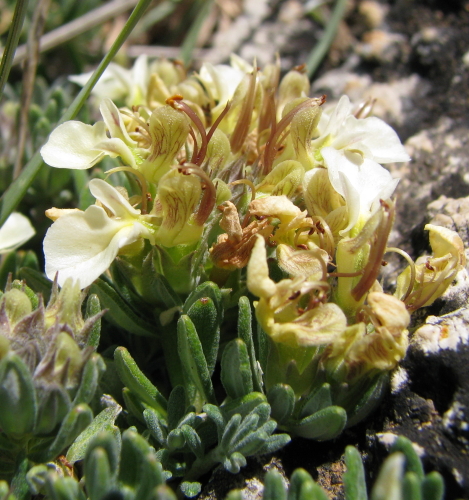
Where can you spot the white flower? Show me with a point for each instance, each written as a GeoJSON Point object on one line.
{"type": "Point", "coordinates": [76, 145]}
{"type": "Point", "coordinates": [84, 244]}
{"type": "Point", "coordinates": [120, 83]}
{"type": "Point", "coordinates": [16, 231]}
{"type": "Point", "coordinates": [352, 150]}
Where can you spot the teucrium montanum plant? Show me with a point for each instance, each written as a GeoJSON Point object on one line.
{"type": "Point", "coordinates": [237, 182]}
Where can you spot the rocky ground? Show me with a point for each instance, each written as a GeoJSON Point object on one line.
{"type": "Point", "coordinates": [413, 58]}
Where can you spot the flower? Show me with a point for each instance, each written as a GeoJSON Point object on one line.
{"type": "Point", "coordinates": [278, 310]}
{"type": "Point", "coordinates": [352, 149]}
{"type": "Point", "coordinates": [16, 231]}
{"type": "Point", "coordinates": [75, 145]}
{"type": "Point", "coordinates": [84, 244]}
{"type": "Point", "coordinates": [120, 83]}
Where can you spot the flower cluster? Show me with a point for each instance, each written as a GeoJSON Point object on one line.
{"type": "Point", "coordinates": [237, 167]}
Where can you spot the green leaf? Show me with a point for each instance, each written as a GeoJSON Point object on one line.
{"type": "Point", "coordinates": [134, 379]}
{"type": "Point", "coordinates": [433, 487]}
{"type": "Point", "coordinates": [76, 421]}
{"type": "Point", "coordinates": [193, 359]}
{"type": "Point", "coordinates": [312, 491]}
{"type": "Point", "coordinates": [411, 488]}
{"type": "Point", "coordinates": [102, 423]}
{"type": "Point", "coordinates": [274, 443]}
{"type": "Point", "coordinates": [245, 334]}
{"type": "Point", "coordinates": [190, 489]}
{"type": "Point", "coordinates": [18, 397]}
{"type": "Point", "coordinates": [90, 378]}
{"type": "Point", "coordinates": [193, 441]}
{"type": "Point", "coordinates": [135, 464]}
{"type": "Point", "coordinates": [176, 406]}
{"type": "Point", "coordinates": [322, 425]}
{"type": "Point", "coordinates": [99, 478]}
{"type": "Point", "coordinates": [281, 398]}
{"type": "Point", "coordinates": [203, 314]}
{"type": "Point", "coordinates": [63, 488]}
{"type": "Point", "coordinates": [53, 405]}
{"type": "Point", "coordinates": [213, 412]}
{"type": "Point", "coordinates": [274, 486]}
{"type": "Point", "coordinates": [93, 308]}
{"type": "Point", "coordinates": [354, 477]}
{"type": "Point", "coordinates": [318, 400]}
{"type": "Point", "coordinates": [412, 460]}
{"type": "Point", "coordinates": [298, 479]}
{"type": "Point", "coordinates": [119, 311]}
{"type": "Point", "coordinates": [236, 374]}
{"type": "Point", "coordinates": [370, 399]}
{"type": "Point", "coordinates": [155, 425]}
{"type": "Point", "coordinates": [229, 432]}
{"type": "Point", "coordinates": [243, 405]}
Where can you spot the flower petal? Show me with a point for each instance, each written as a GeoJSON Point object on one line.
{"type": "Point", "coordinates": [82, 245]}
{"type": "Point", "coordinates": [71, 145]}
{"type": "Point", "coordinates": [112, 199]}
{"type": "Point", "coordinates": [16, 231]}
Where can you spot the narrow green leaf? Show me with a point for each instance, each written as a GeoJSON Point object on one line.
{"type": "Point", "coordinates": [412, 460]}
{"type": "Point", "coordinates": [274, 443]}
{"type": "Point", "coordinates": [245, 334]}
{"type": "Point", "coordinates": [193, 441]}
{"type": "Point", "coordinates": [119, 312]}
{"type": "Point", "coordinates": [151, 476]}
{"type": "Point", "coordinates": [91, 375]}
{"type": "Point", "coordinates": [214, 413]}
{"type": "Point", "coordinates": [193, 359]}
{"type": "Point", "coordinates": [190, 41]}
{"type": "Point", "coordinates": [317, 400]}
{"type": "Point", "coordinates": [204, 315]}
{"type": "Point", "coordinates": [322, 425]}
{"type": "Point", "coordinates": [229, 431]}
{"type": "Point", "coordinates": [354, 477]}
{"type": "Point", "coordinates": [411, 488]}
{"type": "Point", "coordinates": [134, 379]}
{"type": "Point", "coordinates": [369, 400]}
{"type": "Point", "coordinates": [243, 405]}
{"type": "Point", "coordinates": [155, 425]}
{"type": "Point", "coordinates": [281, 398]}
{"type": "Point", "coordinates": [321, 49]}
{"type": "Point", "coordinates": [433, 487]}
{"type": "Point", "coordinates": [98, 474]}
{"type": "Point", "coordinates": [18, 396]}
{"type": "Point", "coordinates": [76, 421]}
{"type": "Point", "coordinates": [14, 33]}
{"type": "Point", "coordinates": [176, 406]}
{"type": "Point", "coordinates": [93, 307]}
{"type": "Point", "coordinates": [274, 486]}
{"type": "Point", "coordinates": [102, 423]}
{"type": "Point", "coordinates": [133, 455]}
{"type": "Point", "coordinates": [63, 488]}
{"type": "Point", "coordinates": [312, 491]}
{"type": "Point", "coordinates": [299, 478]}
{"type": "Point", "coordinates": [236, 374]}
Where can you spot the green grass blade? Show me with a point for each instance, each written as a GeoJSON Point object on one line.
{"type": "Point", "coordinates": [18, 188]}
{"type": "Point", "coordinates": [12, 41]}
{"type": "Point", "coordinates": [191, 38]}
{"type": "Point", "coordinates": [320, 50]}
